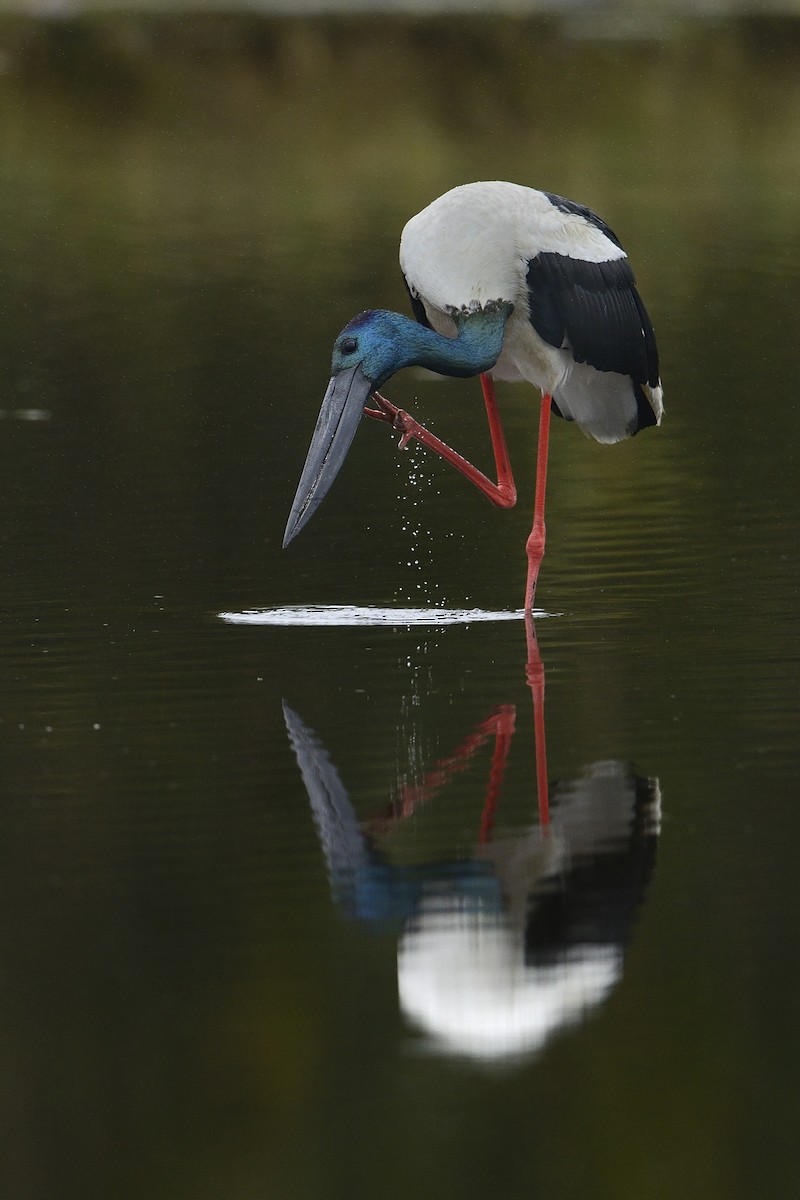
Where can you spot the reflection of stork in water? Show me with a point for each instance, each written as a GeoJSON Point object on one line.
{"type": "Point", "coordinates": [488, 982]}
{"type": "Point", "coordinates": [499, 950]}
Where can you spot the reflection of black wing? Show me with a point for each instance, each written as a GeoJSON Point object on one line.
{"type": "Point", "coordinates": [339, 831]}
{"type": "Point", "coordinates": [609, 820]}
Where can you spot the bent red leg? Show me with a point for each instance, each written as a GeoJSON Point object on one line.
{"type": "Point", "coordinates": [502, 463]}
{"type": "Point", "coordinates": [504, 492]}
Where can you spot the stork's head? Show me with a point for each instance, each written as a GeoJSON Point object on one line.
{"type": "Point", "coordinates": [370, 348]}
{"type": "Point", "coordinates": [375, 342]}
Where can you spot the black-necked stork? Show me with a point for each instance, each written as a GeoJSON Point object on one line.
{"type": "Point", "coordinates": [509, 283]}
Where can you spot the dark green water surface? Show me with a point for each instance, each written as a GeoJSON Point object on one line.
{"type": "Point", "coordinates": [220, 976]}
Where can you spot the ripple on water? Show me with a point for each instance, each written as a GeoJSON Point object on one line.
{"type": "Point", "coordinates": [353, 614]}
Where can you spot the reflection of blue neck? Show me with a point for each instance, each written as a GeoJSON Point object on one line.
{"type": "Point", "coordinates": [381, 892]}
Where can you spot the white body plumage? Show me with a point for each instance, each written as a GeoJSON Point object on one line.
{"type": "Point", "coordinates": [578, 329]}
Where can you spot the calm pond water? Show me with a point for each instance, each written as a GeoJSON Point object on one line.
{"type": "Point", "coordinates": [281, 912]}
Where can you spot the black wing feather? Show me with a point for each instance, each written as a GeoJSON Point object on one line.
{"type": "Point", "coordinates": [596, 311]}
{"type": "Point", "coordinates": [580, 210]}
{"type": "Point", "coordinates": [417, 307]}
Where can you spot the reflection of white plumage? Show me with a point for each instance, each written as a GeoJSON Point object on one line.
{"type": "Point", "coordinates": [489, 985]}
{"type": "Point", "coordinates": [463, 980]}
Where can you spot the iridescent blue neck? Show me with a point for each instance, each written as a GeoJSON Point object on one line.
{"type": "Point", "coordinates": [475, 348]}
{"type": "Point", "coordinates": [390, 342]}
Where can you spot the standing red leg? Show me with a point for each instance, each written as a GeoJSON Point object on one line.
{"type": "Point", "coordinates": [534, 546]}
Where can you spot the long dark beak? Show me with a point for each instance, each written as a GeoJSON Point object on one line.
{"type": "Point", "coordinates": [342, 409]}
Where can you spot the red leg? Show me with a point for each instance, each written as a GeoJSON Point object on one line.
{"type": "Point", "coordinates": [534, 546]}
{"type": "Point", "coordinates": [504, 492]}
{"type": "Point", "coordinates": [505, 477]}
{"type": "Point", "coordinates": [502, 746]}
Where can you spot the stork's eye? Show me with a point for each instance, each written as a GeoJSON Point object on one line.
{"type": "Point", "coordinates": [349, 346]}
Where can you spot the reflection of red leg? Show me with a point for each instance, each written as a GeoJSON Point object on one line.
{"type": "Point", "coordinates": [504, 732]}
{"type": "Point", "coordinates": [504, 492]}
{"type": "Point", "coordinates": [534, 673]}
{"type": "Point", "coordinates": [535, 543]}
{"type": "Point", "coordinates": [501, 725]}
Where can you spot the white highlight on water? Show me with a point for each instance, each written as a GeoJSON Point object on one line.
{"type": "Point", "coordinates": [25, 414]}
{"type": "Point", "coordinates": [354, 614]}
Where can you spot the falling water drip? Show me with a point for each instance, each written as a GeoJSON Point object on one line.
{"type": "Point", "coordinates": [423, 587]}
